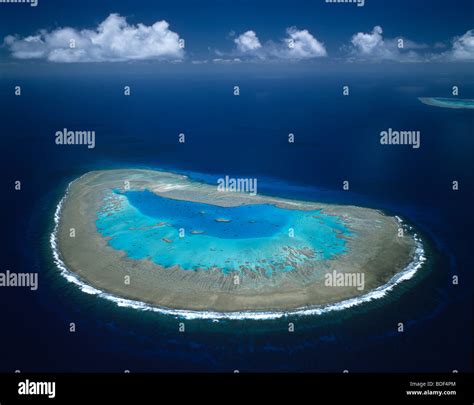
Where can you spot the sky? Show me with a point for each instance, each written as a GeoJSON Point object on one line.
{"type": "Point", "coordinates": [238, 31]}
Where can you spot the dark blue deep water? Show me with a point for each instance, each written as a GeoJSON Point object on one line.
{"type": "Point", "coordinates": [337, 139]}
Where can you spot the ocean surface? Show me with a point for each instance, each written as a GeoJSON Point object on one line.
{"type": "Point", "coordinates": [147, 226]}
{"type": "Point", "coordinates": [337, 139]}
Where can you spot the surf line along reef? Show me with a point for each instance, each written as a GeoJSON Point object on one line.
{"type": "Point", "coordinates": [164, 241]}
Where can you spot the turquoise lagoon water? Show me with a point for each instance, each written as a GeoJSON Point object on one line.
{"type": "Point", "coordinates": [147, 226]}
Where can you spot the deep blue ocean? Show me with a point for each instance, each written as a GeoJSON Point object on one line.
{"type": "Point", "coordinates": [337, 139]}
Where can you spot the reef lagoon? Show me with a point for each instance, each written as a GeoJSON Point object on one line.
{"type": "Point", "coordinates": [161, 240]}
{"type": "Point", "coordinates": [193, 235]}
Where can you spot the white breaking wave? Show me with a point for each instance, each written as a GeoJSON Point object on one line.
{"type": "Point", "coordinates": [377, 293]}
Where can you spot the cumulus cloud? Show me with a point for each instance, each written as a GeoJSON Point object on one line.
{"type": "Point", "coordinates": [248, 42]}
{"type": "Point", "coordinates": [373, 46]}
{"type": "Point", "coordinates": [368, 43]}
{"type": "Point", "coordinates": [462, 48]}
{"type": "Point", "coordinates": [114, 40]}
{"type": "Point", "coordinates": [299, 44]}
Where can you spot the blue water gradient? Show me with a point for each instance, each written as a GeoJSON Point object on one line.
{"type": "Point", "coordinates": [255, 237]}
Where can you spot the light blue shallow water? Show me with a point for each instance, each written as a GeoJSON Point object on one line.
{"type": "Point", "coordinates": [258, 237]}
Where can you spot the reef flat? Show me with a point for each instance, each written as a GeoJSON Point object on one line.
{"type": "Point", "coordinates": [442, 102]}
{"type": "Point", "coordinates": [163, 239]}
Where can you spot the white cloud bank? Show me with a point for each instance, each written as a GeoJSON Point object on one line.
{"type": "Point", "coordinates": [114, 40]}
{"type": "Point", "coordinates": [248, 42]}
{"type": "Point", "coordinates": [299, 44]}
{"type": "Point", "coordinates": [462, 48]}
{"type": "Point", "coordinates": [302, 45]}
{"type": "Point", "coordinates": [367, 44]}
{"type": "Point", "coordinates": [373, 46]}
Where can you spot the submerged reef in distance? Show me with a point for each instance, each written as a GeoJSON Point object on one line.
{"type": "Point", "coordinates": [442, 102]}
